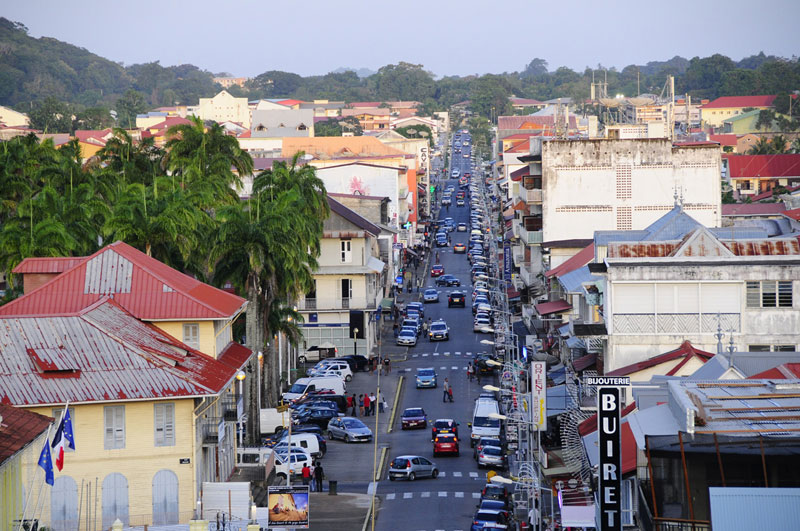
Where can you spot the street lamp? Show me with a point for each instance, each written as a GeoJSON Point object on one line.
{"type": "Point", "coordinates": [241, 376]}
{"type": "Point", "coordinates": [355, 341]}
{"type": "Point", "coordinates": [260, 364]}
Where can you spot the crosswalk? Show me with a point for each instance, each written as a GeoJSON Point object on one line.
{"type": "Point", "coordinates": [442, 368]}
{"type": "Point", "coordinates": [446, 353]}
{"type": "Point", "coordinates": [390, 496]}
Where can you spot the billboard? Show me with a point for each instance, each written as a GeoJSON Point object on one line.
{"type": "Point", "coordinates": [507, 263]}
{"type": "Point", "coordinates": [608, 422]}
{"type": "Point", "coordinates": [539, 394]}
{"type": "Point", "coordinates": [288, 507]}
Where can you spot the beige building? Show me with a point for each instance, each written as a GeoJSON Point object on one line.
{"type": "Point", "coordinates": [224, 108]}
{"type": "Point", "coordinates": [12, 118]}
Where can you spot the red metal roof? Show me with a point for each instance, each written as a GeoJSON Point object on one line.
{"type": "Point", "coordinates": [109, 355]}
{"type": "Point", "coordinates": [141, 284]}
{"type": "Point", "coordinates": [725, 102]}
{"type": "Point", "coordinates": [786, 371]}
{"type": "Point", "coordinates": [769, 194]}
{"type": "Point", "coordinates": [525, 101]}
{"type": "Point", "coordinates": [18, 429]}
{"type": "Point", "coordinates": [793, 214]}
{"type": "Point", "coordinates": [628, 441]}
{"type": "Point", "coordinates": [517, 175]}
{"type": "Point", "coordinates": [764, 166]}
{"type": "Point", "coordinates": [752, 209]}
{"type": "Point", "coordinates": [724, 140]}
{"type": "Point", "coordinates": [577, 261]}
{"type": "Point", "coordinates": [686, 351]}
{"type": "Point", "coordinates": [545, 308]}
{"type": "Point", "coordinates": [54, 264]}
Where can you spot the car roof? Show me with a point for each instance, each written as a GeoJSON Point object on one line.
{"type": "Point", "coordinates": [426, 369]}
{"type": "Point", "coordinates": [443, 420]}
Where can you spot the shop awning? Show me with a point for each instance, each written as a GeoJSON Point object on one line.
{"type": "Point", "coordinates": [584, 362]}
{"type": "Point", "coordinates": [517, 175]}
{"type": "Point", "coordinates": [520, 206]}
{"type": "Point", "coordinates": [546, 308]}
{"type": "Point", "coordinates": [375, 264]}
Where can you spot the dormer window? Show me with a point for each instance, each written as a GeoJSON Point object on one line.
{"type": "Point", "coordinates": [261, 128]}
{"type": "Point", "coordinates": [302, 127]}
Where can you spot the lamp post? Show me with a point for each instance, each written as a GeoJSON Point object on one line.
{"type": "Point", "coordinates": [260, 367]}
{"type": "Point", "coordinates": [355, 341]}
{"type": "Point", "coordinates": [240, 376]}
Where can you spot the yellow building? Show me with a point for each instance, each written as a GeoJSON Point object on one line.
{"type": "Point", "coordinates": [144, 356]}
{"type": "Point", "coordinates": [716, 112]}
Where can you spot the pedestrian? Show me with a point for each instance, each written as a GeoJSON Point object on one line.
{"type": "Point", "coordinates": [353, 405]}
{"type": "Point", "coordinates": [349, 402]}
{"type": "Point", "coordinates": [372, 403]}
{"type": "Point", "coordinates": [319, 475]}
{"type": "Point", "coordinates": [469, 371]}
{"type": "Point", "coordinates": [425, 328]}
{"type": "Point", "coordinates": [387, 364]}
{"type": "Point", "coordinates": [396, 329]}
{"type": "Point", "coordinates": [361, 405]}
{"type": "Point", "coordinates": [372, 362]}
{"type": "Point", "coordinates": [419, 284]}
{"type": "Point", "coordinates": [450, 393]}
{"type": "Point", "coordinates": [366, 405]}
{"type": "Point", "coordinates": [382, 405]}
{"type": "Point", "coordinates": [306, 474]}
{"type": "Point", "coordinates": [446, 389]}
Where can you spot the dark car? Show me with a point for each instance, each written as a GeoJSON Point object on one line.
{"type": "Point", "coordinates": [356, 363]}
{"type": "Point", "coordinates": [318, 415]}
{"type": "Point", "coordinates": [492, 491]}
{"type": "Point", "coordinates": [457, 299]}
{"type": "Point", "coordinates": [488, 519]}
{"type": "Point", "coordinates": [414, 417]}
{"type": "Point", "coordinates": [283, 432]}
{"type": "Point", "coordinates": [444, 426]}
{"type": "Point", "coordinates": [447, 280]}
{"type": "Point", "coordinates": [327, 395]}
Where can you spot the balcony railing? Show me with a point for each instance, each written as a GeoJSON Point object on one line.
{"type": "Point", "coordinates": [527, 274]}
{"type": "Point", "coordinates": [344, 303]}
{"type": "Point", "coordinates": [531, 197]}
{"type": "Point", "coordinates": [675, 323]}
{"type": "Point", "coordinates": [530, 237]}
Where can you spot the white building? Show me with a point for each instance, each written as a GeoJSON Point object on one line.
{"type": "Point", "coordinates": [223, 108]}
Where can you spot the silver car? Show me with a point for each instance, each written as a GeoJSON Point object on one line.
{"type": "Point", "coordinates": [431, 295]}
{"type": "Point", "coordinates": [349, 429]}
{"type": "Point", "coordinates": [407, 337]}
{"type": "Point", "coordinates": [411, 467]}
{"type": "Point", "coordinates": [491, 456]}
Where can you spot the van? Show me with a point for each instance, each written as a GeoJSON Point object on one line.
{"type": "Point", "coordinates": [482, 425]}
{"type": "Point", "coordinates": [259, 457]}
{"type": "Point", "coordinates": [272, 421]}
{"type": "Point", "coordinates": [314, 383]}
{"type": "Point", "coordinates": [307, 441]}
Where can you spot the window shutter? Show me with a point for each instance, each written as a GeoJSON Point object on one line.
{"type": "Point", "coordinates": [109, 422]}
{"type": "Point", "coordinates": [169, 424]}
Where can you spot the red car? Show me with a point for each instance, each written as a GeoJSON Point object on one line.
{"type": "Point", "coordinates": [445, 443]}
{"type": "Point", "coordinates": [437, 270]}
{"type": "Point", "coordinates": [461, 195]}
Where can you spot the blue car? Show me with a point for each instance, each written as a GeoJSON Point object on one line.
{"type": "Point", "coordinates": [489, 519]}
{"type": "Point", "coordinates": [426, 378]}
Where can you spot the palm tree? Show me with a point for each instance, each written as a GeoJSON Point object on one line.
{"type": "Point", "coordinates": [135, 162]}
{"type": "Point", "coordinates": [761, 147]}
{"type": "Point", "coordinates": [22, 237]}
{"type": "Point", "coordinates": [779, 144]}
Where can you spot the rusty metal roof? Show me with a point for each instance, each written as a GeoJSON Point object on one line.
{"type": "Point", "coordinates": [145, 287]}
{"type": "Point", "coordinates": [103, 354]}
{"type": "Point", "coordinates": [702, 243]}
{"type": "Point", "coordinates": [18, 429]}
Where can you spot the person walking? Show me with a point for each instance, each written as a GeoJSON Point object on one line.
{"type": "Point", "coordinates": [306, 474]}
{"type": "Point", "coordinates": [387, 364]}
{"type": "Point", "coordinates": [373, 402]}
{"type": "Point", "coordinates": [450, 393]}
{"type": "Point", "coordinates": [446, 389]}
{"type": "Point", "coordinates": [361, 405]}
{"type": "Point", "coordinates": [425, 328]}
{"type": "Point", "coordinates": [470, 370]}
{"type": "Point", "coordinates": [349, 402]}
{"type": "Point", "coordinates": [366, 405]}
{"type": "Point", "coordinates": [319, 475]}
{"type": "Point", "coordinates": [396, 329]}
{"type": "Point", "coordinates": [353, 405]}
{"type": "Point", "coordinates": [382, 405]}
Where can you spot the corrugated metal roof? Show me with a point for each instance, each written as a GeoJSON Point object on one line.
{"type": "Point", "coordinates": [57, 264]}
{"type": "Point", "coordinates": [573, 281]}
{"type": "Point", "coordinates": [764, 166]}
{"type": "Point", "coordinates": [727, 102]}
{"type": "Point", "coordinates": [580, 259]}
{"type": "Point", "coordinates": [736, 508]}
{"type": "Point", "coordinates": [113, 356]}
{"type": "Point", "coordinates": [145, 287]}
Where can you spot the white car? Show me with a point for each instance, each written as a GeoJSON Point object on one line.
{"type": "Point", "coordinates": [407, 337]}
{"type": "Point", "coordinates": [482, 325]}
{"type": "Point", "coordinates": [332, 365]}
{"type": "Point", "coordinates": [431, 295]}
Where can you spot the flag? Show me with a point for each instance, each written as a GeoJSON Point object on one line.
{"type": "Point", "coordinates": [46, 462]}
{"type": "Point", "coordinates": [63, 437]}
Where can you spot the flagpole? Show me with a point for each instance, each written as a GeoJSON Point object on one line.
{"type": "Point", "coordinates": [30, 491]}
{"type": "Point", "coordinates": [38, 497]}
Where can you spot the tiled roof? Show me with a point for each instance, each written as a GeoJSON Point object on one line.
{"type": "Point", "coordinates": [332, 147]}
{"type": "Point", "coordinates": [55, 264]}
{"type": "Point", "coordinates": [93, 136]}
{"type": "Point", "coordinates": [524, 101]}
{"type": "Point", "coordinates": [103, 353]}
{"type": "Point", "coordinates": [725, 102]}
{"type": "Point", "coordinates": [752, 209]}
{"type": "Point", "coordinates": [145, 287]}
{"type": "Point", "coordinates": [353, 217]}
{"type": "Point", "coordinates": [18, 429]}
{"type": "Point", "coordinates": [685, 351]}
{"type": "Point", "coordinates": [371, 111]}
{"type": "Point", "coordinates": [772, 166]}
{"type": "Point", "coordinates": [583, 257]}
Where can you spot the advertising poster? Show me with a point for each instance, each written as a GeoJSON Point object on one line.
{"type": "Point", "coordinates": [288, 507]}
{"type": "Point", "coordinates": [507, 263]}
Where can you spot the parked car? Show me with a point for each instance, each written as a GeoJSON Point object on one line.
{"type": "Point", "coordinates": [317, 415]}
{"type": "Point", "coordinates": [407, 337]}
{"type": "Point", "coordinates": [457, 298]}
{"type": "Point", "coordinates": [349, 429]}
{"type": "Point", "coordinates": [445, 443]}
{"type": "Point", "coordinates": [411, 467]}
{"type": "Point", "coordinates": [492, 491]}
{"type": "Point", "coordinates": [487, 519]}
{"type": "Point", "coordinates": [491, 456]}
{"type": "Point", "coordinates": [485, 441]}
{"type": "Point", "coordinates": [416, 306]}
{"type": "Point", "coordinates": [482, 325]}
{"type": "Point", "coordinates": [413, 417]}
{"type": "Point", "coordinates": [426, 377]}
{"type": "Point", "coordinates": [357, 362]}
{"type": "Point", "coordinates": [431, 295]}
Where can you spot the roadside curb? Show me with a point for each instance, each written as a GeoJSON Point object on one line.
{"type": "Point", "coordinates": [394, 406]}
{"type": "Point", "coordinates": [367, 518]}
{"type": "Point", "coordinates": [379, 472]}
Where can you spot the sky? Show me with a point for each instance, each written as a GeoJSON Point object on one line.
{"type": "Point", "coordinates": [448, 37]}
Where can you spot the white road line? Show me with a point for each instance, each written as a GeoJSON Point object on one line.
{"type": "Point", "coordinates": [454, 367]}
{"type": "Point", "coordinates": [425, 355]}
{"type": "Point", "coordinates": [457, 474]}
{"type": "Point", "coordinates": [459, 494]}
{"type": "Point", "coordinates": [415, 355]}
{"type": "Point", "coordinates": [408, 495]}
{"type": "Point", "coordinates": [446, 353]}
{"type": "Point", "coordinates": [390, 496]}
{"type": "Point", "coordinates": [442, 474]}
{"type": "Point", "coordinates": [442, 494]}
{"type": "Point", "coordinates": [435, 353]}
{"type": "Point", "coordinates": [473, 474]}
{"type": "Point", "coordinates": [443, 367]}
{"type": "Point", "coordinates": [476, 495]}
{"type": "Point", "coordinates": [458, 353]}
{"type": "Point", "coordinates": [425, 494]}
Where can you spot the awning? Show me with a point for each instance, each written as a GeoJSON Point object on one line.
{"type": "Point", "coordinates": [517, 175]}
{"type": "Point", "coordinates": [512, 294]}
{"type": "Point", "coordinates": [559, 376]}
{"type": "Point", "coordinates": [575, 342]}
{"type": "Point", "coordinates": [508, 214]}
{"type": "Point", "coordinates": [584, 361]}
{"type": "Point", "coordinates": [375, 265]}
{"type": "Point", "coordinates": [578, 516]}
{"type": "Point", "coordinates": [520, 206]}
{"type": "Point", "coordinates": [559, 401]}
{"type": "Point", "coordinates": [564, 330]}
{"type": "Point", "coordinates": [628, 447]}
{"type": "Point", "coordinates": [546, 308]}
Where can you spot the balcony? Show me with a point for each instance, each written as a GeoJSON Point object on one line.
{"type": "Point", "coordinates": [527, 274]}
{"type": "Point", "coordinates": [530, 237]}
{"type": "Point", "coordinates": [343, 303]}
{"type": "Point", "coordinates": [530, 197]}
{"type": "Point", "coordinates": [518, 254]}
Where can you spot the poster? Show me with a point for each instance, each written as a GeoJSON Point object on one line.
{"type": "Point", "coordinates": [288, 507]}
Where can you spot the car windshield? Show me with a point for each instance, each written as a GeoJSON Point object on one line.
{"type": "Point", "coordinates": [430, 292]}
{"type": "Point", "coordinates": [492, 450]}
{"type": "Point", "coordinates": [486, 516]}
{"type": "Point", "coordinates": [490, 442]}
{"type": "Point", "coordinates": [425, 372]}
{"type": "Point", "coordinates": [297, 388]}
{"type": "Point", "coordinates": [353, 424]}
{"type": "Point", "coordinates": [486, 422]}
{"type": "Point", "coordinates": [443, 424]}
{"type": "Point", "coordinates": [400, 463]}
{"type": "Point", "coordinates": [413, 412]}
{"type": "Point", "coordinates": [407, 333]}
{"type": "Point", "coordinates": [439, 326]}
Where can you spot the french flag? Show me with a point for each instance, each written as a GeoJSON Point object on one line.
{"type": "Point", "coordinates": [64, 437]}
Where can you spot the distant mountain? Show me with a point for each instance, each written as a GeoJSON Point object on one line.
{"type": "Point", "coordinates": [360, 72]}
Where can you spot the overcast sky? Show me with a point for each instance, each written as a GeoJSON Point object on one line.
{"type": "Point", "coordinates": [247, 37]}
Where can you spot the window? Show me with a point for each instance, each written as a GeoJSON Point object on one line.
{"type": "Point", "coordinates": [771, 348]}
{"type": "Point", "coordinates": [347, 288]}
{"type": "Point", "coordinates": [346, 249]}
{"type": "Point", "coordinates": [191, 334]}
{"type": "Point", "coordinates": [114, 427]}
{"type": "Point", "coordinates": [769, 294]}
{"type": "Point", "coordinates": [164, 423]}
{"type": "Point", "coordinates": [758, 348]}
{"type": "Point", "coordinates": [783, 348]}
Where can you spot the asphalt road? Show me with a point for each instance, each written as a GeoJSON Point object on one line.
{"type": "Point", "coordinates": [448, 502]}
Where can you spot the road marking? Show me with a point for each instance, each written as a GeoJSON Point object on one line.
{"type": "Point", "coordinates": [426, 494]}
{"type": "Point", "coordinates": [476, 495]}
{"type": "Point", "coordinates": [473, 474]}
{"type": "Point", "coordinates": [446, 353]}
{"type": "Point", "coordinates": [457, 474]}
{"type": "Point", "coordinates": [435, 353]}
{"type": "Point", "coordinates": [390, 496]}
{"type": "Point", "coordinates": [425, 355]}
{"type": "Point", "coordinates": [415, 355]}
{"type": "Point", "coordinates": [442, 494]}
{"type": "Point", "coordinates": [442, 474]}
{"type": "Point", "coordinates": [458, 353]}
{"type": "Point", "coordinates": [443, 367]}
{"type": "Point", "coordinates": [372, 488]}
{"type": "Point", "coordinates": [407, 495]}
{"type": "Point", "coordinates": [459, 494]}
{"type": "Point", "coordinates": [454, 367]}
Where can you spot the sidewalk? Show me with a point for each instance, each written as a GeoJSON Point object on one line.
{"type": "Point", "coordinates": [345, 512]}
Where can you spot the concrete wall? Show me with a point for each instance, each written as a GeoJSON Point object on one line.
{"type": "Point", "coordinates": [594, 185]}
{"type": "Point", "coordinates": [367, 180]}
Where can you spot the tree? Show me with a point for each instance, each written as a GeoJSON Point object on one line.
{"type": "Point", "coordinates": [51, 116]}
{"type": "Point", "coordinates": [703, 76]}
{"type": "Point", "coordinates": [761, 147]}
{"type": "Point", "coordinates": [134, 162]}
{"type": "Point", "coordinates": [489, 96]}
{"type": "Point", "coordinates": [766, 119]}
{"type": "Point", "coordinates": [536, 68]}
{"type": "Point", "coordinates": [416, 131]}
{"type": "Point", "coordinates": [336, 126]}
{"type": "Point", "coordinates": [128, 106]}
{"type": "Point", "coordinates": [403, 81]}
{"type": "Point", "coordinates": [93, 118]}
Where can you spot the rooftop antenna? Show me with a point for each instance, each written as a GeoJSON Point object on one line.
{"type": "Point", "coordinates": [675, 195]}
{"type": "Point", "coordinates": [731, 346]}
{"type": "Point", "coordinates": [681, 198]}
{"type": "Point", "coordinates": [719, 335]}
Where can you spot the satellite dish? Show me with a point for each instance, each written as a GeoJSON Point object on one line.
{"type": "Point", "coordinates": [639, 101]}
{"type": "Point", "coordinates": [610, 102]}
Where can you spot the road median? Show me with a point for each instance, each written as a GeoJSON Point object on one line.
{"type": "Point", "coordinates": [396, 403]}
